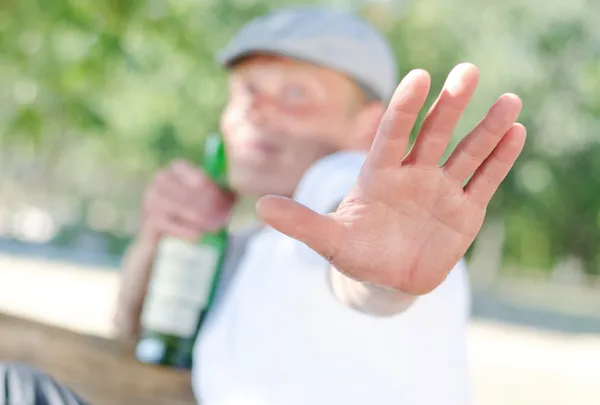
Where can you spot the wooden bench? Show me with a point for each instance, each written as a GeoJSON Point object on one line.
{"type": "Point", "coordinates": [102, 371]}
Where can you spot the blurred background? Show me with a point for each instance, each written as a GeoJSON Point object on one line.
{"type": "Point", "coordinates": [95, 96]}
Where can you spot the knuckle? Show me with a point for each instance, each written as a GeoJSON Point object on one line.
{"type": "Point", "coordinates": [149, 198]}
{"type": "Point", "coordinates": [177, 163]}
{"type": "Point", "coordinates": [160, 178]}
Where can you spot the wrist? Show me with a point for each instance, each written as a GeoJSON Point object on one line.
{"type": "Point", "coordinates": [383, 291]}
{"type": "Point", "coordinates": [148, 235]}
{"type": "Point", "coordinates": [376, 300]}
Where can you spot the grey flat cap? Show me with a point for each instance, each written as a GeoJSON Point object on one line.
{"type": "Point", "coordinates": [325, 37]}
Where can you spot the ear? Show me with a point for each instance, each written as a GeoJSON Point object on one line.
{"type": "Point", "coordinates": [367, 121]}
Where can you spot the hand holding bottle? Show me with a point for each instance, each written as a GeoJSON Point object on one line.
{"type": "Point", "coordinates": [187, 210]}
{"type": "Point", "coordinates": [183, 202]}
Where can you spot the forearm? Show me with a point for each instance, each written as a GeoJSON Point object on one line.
{"type": "Point", "coordinates": [137, 266]}
{"type": "Point", "coordinates": [367, 298]}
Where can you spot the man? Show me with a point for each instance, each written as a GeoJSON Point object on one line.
{"type": "Point", "coordinates": [376, 310]}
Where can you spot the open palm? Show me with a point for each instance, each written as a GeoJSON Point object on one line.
{"type": "Point", "coordinates": [408, 220]}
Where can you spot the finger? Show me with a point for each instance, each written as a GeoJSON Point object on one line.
{"type": "Point", "coordinates": [439, 124]}
{"type": "Point", "coordinates": [472, 150]}
{"type": "Point", "coordinates": [188, 174]}
{"type": "Point", "coordinates": [172, 227]}
{"type": "Point", "coordinates": [491, 173]}
{"type": "Point", "coordinates": [194, 213]}
{"type": "Point", "coordinates": [200, 185]}
{"type": "Point", "coordinates": [175, 199]}
{"type": "Point", "coordinates": [169, 185]}
{"type": "Point", "coordinates": [199, 198]}
{"type": "Point", "coordinates": [391, 140]}
{"type": "Point", "coordinates": [319, 232]}
{"type": "Point", "coordinates": [208, 206]}
{"type": "Point", "coordinates": [173, 218]}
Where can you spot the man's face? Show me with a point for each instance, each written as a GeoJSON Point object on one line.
{"type": "Point", "coordinates": [281, 117]}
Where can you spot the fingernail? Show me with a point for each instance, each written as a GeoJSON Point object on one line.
{"type": "Point", "coordinates": [412, 75]}
{"type": "Point", "coordinates": [455, 82]}
{"type": "Point", "coordinates": [513, 97]}
{"type": "Point", "coordinates": [409, 80]}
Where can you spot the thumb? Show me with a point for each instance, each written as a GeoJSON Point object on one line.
{"type": "Point", "coordinates": [319, 232]}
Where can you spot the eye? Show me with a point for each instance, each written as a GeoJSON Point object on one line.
{"type": "Point", "coordinates": [294, 93]}
{"type": "Point", "coordinates": [250, 88]}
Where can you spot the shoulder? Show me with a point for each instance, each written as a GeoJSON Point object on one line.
{"type": "Point", "coordinates": [239, 241]}
{"type": "Point", "coordinates": [244, 235]}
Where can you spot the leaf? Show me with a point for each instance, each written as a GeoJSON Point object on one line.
{"type": "Point", "coordinates": [26, 125]}
{"type": "Point", "coordinates": [86, 117]}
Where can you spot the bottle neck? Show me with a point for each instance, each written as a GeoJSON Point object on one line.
{"type": "Point", "coordinates": [214, 163]}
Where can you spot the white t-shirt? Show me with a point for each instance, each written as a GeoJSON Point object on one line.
{"type": "Point", "coordinates": [279, 336]}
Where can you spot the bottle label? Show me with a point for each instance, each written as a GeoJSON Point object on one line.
{"type": "Point", "coordinates": [180, 287]}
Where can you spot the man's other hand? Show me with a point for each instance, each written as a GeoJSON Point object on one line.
{"type": "Point", "coordinates": [183, 202]}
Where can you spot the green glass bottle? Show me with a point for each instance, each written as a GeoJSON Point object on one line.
{"type": "Point", "coordinates": [183, 283]}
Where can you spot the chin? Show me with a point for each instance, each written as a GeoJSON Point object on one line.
{"type": "Point", "coordinates": [257, 185]}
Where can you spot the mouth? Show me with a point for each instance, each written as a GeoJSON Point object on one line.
{"type": "Point", "coordinates": [256, 152]}
{"type": "Point", "coordinates": [261, 146]}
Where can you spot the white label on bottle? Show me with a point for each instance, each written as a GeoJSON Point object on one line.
{"type": "Point", "coordinates": [180, 287]}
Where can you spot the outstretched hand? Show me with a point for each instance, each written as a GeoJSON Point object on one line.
{"type": "Point", "coordinates": [408, 220]}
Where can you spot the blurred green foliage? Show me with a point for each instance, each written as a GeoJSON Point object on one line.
{"type": "Point", "coordinates": [95, 96]}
